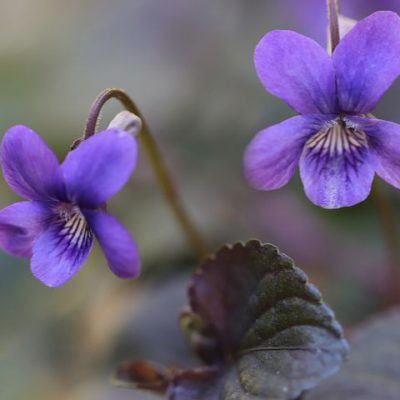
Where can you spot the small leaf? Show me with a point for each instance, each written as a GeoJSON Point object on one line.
{"type": "Point", "coordinates": [278, 338]}
{"type": "Point", "coordinates": [143, 375]}
{"type": "Point", "coordinates": [373, 370]}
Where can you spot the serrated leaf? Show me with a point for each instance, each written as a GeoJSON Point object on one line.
{"type": "Point", "coordinates": [202, 337]}
{"type": "Point", "coordinates": [278, 338]}
{"type": "Point", "coordinates": [260, 326]}
{"type": "Point", "coordinates": [373, 370]}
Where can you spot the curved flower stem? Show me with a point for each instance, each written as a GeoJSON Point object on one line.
{"type": "Point", "coordinates": [164, 179]}
{"type": "Point", "coordinates": [333, 22]}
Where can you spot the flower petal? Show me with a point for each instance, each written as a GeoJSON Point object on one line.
{"type": "Point", "coordinates": [20, 225]}
{"type": "Point", "coordinates": [337, 167]}
{"type": "Point", "coordinates": [30, 168]}
{"type": "Point", "coordinates": [272, 156]}
{"type": "Point", "coordinates": [99, 167]}
{"type": "Point", "coordinates": [118, 246]}
{"type": "Point", "coordinates": [297, 70]}
{"type": "Point", "coordinates": [385, 141]}
{"type": "Point", "coordinates": [59, 253]}
{"type": "Point", "coordinates": [367, 61]}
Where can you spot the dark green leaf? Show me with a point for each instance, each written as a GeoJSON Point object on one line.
{"type": "Point", "coordinates": [278, 337]}
{"type": "Point", "coordinates": [373, 370]}
{"type": "Point", "coordinates": [257, 323]}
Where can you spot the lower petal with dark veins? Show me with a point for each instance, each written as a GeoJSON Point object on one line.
{"type": "Point", "coordinates": [337, 166]}
{"type": "Point", "coordinates": [62, 249]}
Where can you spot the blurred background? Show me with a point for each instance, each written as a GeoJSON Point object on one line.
{"type": "Point", "coordinates": [188, 65]}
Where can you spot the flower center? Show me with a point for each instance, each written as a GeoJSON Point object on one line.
{"type": "Point", "coordinates": [336, 139]}
{"type": "Point", "coordinates": [73, 228]}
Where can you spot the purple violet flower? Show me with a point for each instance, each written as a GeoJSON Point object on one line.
{"type": "Point", "coordinates": [65, 207]}
{"type": "Point", "coordinates": [337, 144]}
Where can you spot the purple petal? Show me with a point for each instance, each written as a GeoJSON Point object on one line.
{"type": "Point", "coordinates": [367, 61]}
{"type": "Point", "coordinates": [20, 225]}
{"type": "Point", "coordinates": [337, 167]}
{"type": "Point", "coordinates": [60, 252]}
{"type": "Point", "coordinates": [99, 167]}
{"type": "Point", "coordinates": [297, 70]}
{"type": "Point", "coordinates": [385, 141]}
{"type": "Point", "coordinates": [30, 168]}
{"type": "Point", "coordinates": [272, 156]}
{"type": "Point", "coordinates": [118, 246]}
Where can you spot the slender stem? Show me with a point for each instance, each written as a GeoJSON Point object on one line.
{"type": "Point", "coordinates": [388, 221]}
{"type": "Point", "coordinates": [388, 218]}
{"type": "Point", "coordinates": [164, 179]}
{"type": "Point", "coordinates": [333, 21]}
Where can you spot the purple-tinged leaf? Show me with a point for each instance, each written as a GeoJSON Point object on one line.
{"type": "Point", "coordinates": [202, 337]}
{"type": "Point", "coordinates": [258, 323]}
{"type": "Point", "coordinates": [278, 337]}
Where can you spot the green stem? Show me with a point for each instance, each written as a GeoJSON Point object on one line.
{"type": "Point", "coordinates": [333, 22]}
{"type": "Point", "coordinates": [163, 177]}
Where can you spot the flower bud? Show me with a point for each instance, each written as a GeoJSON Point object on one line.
{"type": "Point", "coordinates": [126, 121]}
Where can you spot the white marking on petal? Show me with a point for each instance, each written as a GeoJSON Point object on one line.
{"type": "Point", "coordinates": [337, 144]}
{"type": "Point", "coordinates": [337, 138]}
{"type": "Point", "coordinates": [74, 234]}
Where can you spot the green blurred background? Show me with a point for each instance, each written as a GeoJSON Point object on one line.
{"type": "Point", "coordinates": [188, 65]}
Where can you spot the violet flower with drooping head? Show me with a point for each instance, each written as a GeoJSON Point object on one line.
{"type": "Point", "coordinates": [336, 143]}
{"type": "Point", "coordinates": [65, 207]}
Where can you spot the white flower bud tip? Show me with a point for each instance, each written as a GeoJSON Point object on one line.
{"type": "Point", "coordinates": [126, 121]}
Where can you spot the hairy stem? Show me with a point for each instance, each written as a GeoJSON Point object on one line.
{"type": "Point", "coordinates": [333, 22]}
{"type": "Point", "coordinates": [163, 177]}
